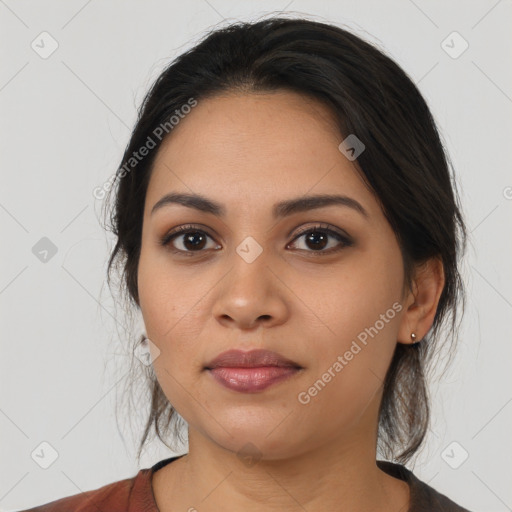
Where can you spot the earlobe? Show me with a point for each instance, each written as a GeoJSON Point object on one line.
{"type": "Point", "coordinates": [428, 285]}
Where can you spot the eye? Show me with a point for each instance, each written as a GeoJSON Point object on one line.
{"type": "Point", "coordinates": [189, 238]}
{"type": "Point", "coordinates": [318, 239]}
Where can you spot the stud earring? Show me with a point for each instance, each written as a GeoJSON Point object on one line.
{"type": "Point", "coordinates": [413, 337]}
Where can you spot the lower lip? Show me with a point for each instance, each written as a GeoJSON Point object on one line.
{"type": "Point", "coordinates": [251, 380]}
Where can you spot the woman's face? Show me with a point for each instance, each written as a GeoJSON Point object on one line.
{"type": "Point", "coordinates": [251, 279]}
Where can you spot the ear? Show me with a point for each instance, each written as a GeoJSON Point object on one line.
{"type": "Point", "coordinates": [421, 302]}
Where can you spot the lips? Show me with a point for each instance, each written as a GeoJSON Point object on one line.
{"type": "Point", "coordinates": [251, 372]}
{"type": "Point", "coordinates": [252, 359]}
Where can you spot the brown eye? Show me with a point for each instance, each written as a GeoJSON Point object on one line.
{"type": "Point", "coordinates": [316, 239]}
{"type": "Point", "coordinates": [186, 239]}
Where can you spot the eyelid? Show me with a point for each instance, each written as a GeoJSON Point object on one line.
{"type": "Point", "coordinates": [174, 232]}
{"type": "Point", "coordinates": [322, 226]}
{"type": "Point", "coordinates": [343, 237]}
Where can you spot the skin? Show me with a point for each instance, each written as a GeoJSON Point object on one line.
{"type": "Point", "coordinates": [248, 152]}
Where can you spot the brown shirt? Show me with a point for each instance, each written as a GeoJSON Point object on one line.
{"type": "Point", "coordinates": [136, 494]}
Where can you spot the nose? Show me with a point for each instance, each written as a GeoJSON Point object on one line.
{"type": "Point", "coordinates": [251, 295]}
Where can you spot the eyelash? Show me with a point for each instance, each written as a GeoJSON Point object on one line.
{"type": "Point", "coordinates": [321, 228]}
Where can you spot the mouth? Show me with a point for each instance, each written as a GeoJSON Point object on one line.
{"type": "Point", "coordinates": [251, 372]}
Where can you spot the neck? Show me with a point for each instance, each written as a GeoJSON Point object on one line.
{"type": "Point", "coordinates": [329, 477]}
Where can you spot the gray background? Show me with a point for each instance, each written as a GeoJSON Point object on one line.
{"type": "Point", "coordinates": [64, 124]}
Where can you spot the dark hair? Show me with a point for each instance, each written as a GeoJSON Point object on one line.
{"type": "Point", "coordinates": [404, 164]}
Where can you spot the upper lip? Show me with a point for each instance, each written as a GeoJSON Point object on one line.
{"type": "Point", "coordinates": [251, 359]}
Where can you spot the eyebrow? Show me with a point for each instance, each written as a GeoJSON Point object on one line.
{"type": "Point", "coordinates": [280, 210]}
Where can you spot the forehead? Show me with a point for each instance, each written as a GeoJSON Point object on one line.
{"type": "Point", "coordinates": [255, 146]}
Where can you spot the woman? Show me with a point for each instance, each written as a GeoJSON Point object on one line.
{"type": "Point", "coordinates": [289, 229]}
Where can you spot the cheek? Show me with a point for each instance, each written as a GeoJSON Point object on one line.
{"type": "Point", "coordinates": [346, 379]}
{"type": "Point", "coordinates": [356, 297]}
{"type": "Point", "coordinates": [361, 323]}
{"type": "Point", "coordinates": [169, 297]}
{"type": "Point", "coordinates": [173, 314]}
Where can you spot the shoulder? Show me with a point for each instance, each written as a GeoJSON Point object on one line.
{"type": "Point", "coordinates": [121, 496]}
{"type": "Point", "coordinates": [424, 498]}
